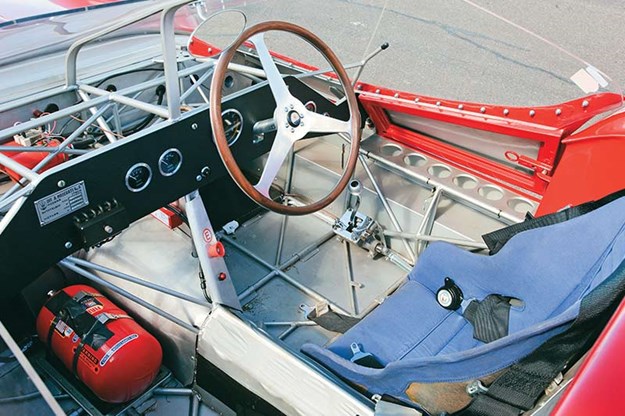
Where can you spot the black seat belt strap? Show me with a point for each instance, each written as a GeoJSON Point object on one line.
{"type": "Point", "coordinates": [324, 316]}
{"type": "Point", "coordinates": [518, 389]}
{"type": "Point", "coordinates": [497, 239]}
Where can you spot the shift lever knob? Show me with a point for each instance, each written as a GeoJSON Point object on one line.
{"type": "Point", "coordinates": [355, 188]}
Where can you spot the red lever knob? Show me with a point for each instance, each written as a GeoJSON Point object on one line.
{"type": "Point", "coordinates": [216, 250]}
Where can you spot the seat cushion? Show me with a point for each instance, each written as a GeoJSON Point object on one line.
{"type": "Point", "coordinates": [550, 269]}
{"type": "Point", "coordinates": [423, 330]}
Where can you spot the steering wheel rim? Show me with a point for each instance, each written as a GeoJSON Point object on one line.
{"type": "Point", "coordinates": [293, 112]}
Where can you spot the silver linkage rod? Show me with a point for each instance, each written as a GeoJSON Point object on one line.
{"type": "Point", "coordinates": [367, 59]}
{"type": "Point", "coordinates": [108, 132]}
{"type": "Point", "coordinates": [138, 281]}
{"type": "Point", "coordinates": [120, 291]}
{"type": "Point", "coordinates": [386, 206]}
{"type": "Point", "coordinates": [351, 284]}
{"type": "Point", "coordinates": [431, 238]}
{"type": "Point", "coordinates": [285, 218]}
{"type": "Point", "coordinates": [30, 371]}
{"type": "Point", "coordinates": [360, 65]}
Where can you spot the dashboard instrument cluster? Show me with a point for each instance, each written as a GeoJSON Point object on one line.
{"type": "Point", "coordinates": [92, 198]}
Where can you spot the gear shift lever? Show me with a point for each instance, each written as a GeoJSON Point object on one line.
{"type": "Point", "coordinates": [355, 189]}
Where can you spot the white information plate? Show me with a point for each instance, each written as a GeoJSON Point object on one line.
{"type": "Point", "coordinates": [61, 203]}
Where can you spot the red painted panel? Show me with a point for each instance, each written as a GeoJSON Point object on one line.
{"type": "Point", "coordinates": [548, 125]}
{"type": "Point", "coordinates": [597, 389]}
{"type": "Point", "coordinates": [572, 115]}
{"type": "Point", "coordinates": [591, 166]}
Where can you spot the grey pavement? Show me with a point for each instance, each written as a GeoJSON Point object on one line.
{"type": "Point", "coordinates": [450, 49]}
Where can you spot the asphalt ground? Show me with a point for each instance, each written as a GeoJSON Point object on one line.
{"type": "Point", "coordinates": [455, 50]}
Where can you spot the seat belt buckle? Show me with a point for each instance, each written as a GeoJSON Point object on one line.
{"type": "Point", "coordinates": [365, 359]}
{"type": "Point", "coordinates": [476, 387]}
{"type": "Point", "coordinates": [357, 353]}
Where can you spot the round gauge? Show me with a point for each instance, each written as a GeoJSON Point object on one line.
{"type": "Point", "coordinates": [138, 177]}
{"type": "Point", "coordinates": [233, 125]}
{"type": "Point", "coordinates": [170, 161]}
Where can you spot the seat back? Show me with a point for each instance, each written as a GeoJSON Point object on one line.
{"type": "Point", "coordinates": [549, 268]}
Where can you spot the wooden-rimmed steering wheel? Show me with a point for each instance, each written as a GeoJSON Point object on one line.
{"type": "Point", "coordinates": [291, 118]}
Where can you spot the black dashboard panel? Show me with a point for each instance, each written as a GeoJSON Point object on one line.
{"type": "Point", "coordinates": [88, 199]}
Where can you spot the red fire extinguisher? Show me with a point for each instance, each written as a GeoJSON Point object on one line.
{"type": "Point", "coordinates": [99, 343]}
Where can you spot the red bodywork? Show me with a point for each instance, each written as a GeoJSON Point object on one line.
{"type": "Point", "coordinates": [75, 4]}
{"type": "Point", "coordinates": [586, 166]}
{"type": "Point", "coordinates": [18, 9]}
{"type": "Point", "coordinates": [591, 165]}
{"type": "Point", "coordinates": [547, 125]}
{"type": "Point", "coordinates": [598, 387]}
{"type": "Point", "coordinates": [123, 367]}
{"type": "Point", "coordinates": [198, 47]}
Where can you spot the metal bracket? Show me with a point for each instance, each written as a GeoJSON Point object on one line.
{"type": "Point", "coordinates": [541, 169]}
{"type": "Point", "coordinates": [362, 230]}
{"type": "Point", "coordinates": [306, 309]}
{"type": "Point", "coordinates": [357, 353]}
{"type": "Point", "coordinates": [476, 387]}
{"type": "Point", "coordinates": [218, 278]}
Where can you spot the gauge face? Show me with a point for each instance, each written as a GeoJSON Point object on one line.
{"type": "Point", "coordinates": [233, 125]}
{"type": "Point", "coordinates": [170, 161]}
{"type": "Point", "coordinates": [138, 177]}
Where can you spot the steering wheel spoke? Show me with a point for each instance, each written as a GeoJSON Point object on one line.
{"type": "Point", "coordinates": [280, 149]}
{"type": "Point", "coordinates": [319, 123]}
{"type": "Point", "coordinates": [276, 82]}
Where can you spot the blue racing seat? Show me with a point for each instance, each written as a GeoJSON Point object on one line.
{"type": "Point", "coordinates": [549, 269]}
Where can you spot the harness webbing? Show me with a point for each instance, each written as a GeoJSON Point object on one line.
{"type": "Point", "coordinates": [518, 389]}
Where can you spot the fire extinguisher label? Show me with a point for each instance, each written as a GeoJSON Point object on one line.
{"type": "Point", "coordinates": [91, 304]}
{"type": "Point", "coordinates": [116, 348]}
{"type": "Point", "coordinates": [63, 329]}
{"type": "Point", "coordinates": [94, 309]}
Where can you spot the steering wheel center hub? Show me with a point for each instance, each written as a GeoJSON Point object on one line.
{"type": "Point", "coordinates": [294, 118]}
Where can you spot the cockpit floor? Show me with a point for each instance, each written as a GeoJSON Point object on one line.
{"type": "Point", "coordinates": [343, 275]}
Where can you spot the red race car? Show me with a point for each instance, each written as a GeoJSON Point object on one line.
{"type": "Point", "coordinates": [338, 208]}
